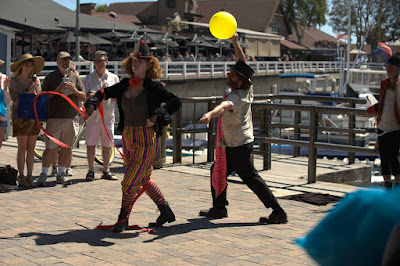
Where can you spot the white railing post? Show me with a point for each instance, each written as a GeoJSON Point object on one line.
{"type": "Point", "coordinates": [212, 69]}
{"type": "Point", "coordinates": [116, 68]}
{"type": "Point", "coordinates": [166, 70]}
{"type": "Point", "coordinates": [198, 69]}
{"type": "Point", "coordinates": [184, 70]}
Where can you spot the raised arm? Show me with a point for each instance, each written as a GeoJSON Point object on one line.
{"type": "Point", "coordinates": [238, 50]}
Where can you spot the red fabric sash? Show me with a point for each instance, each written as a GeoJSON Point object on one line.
{"type": "Point", "coordinates": [135, 226]}
{"type": "Point", "coordinates": [218, 176]}
{"type": "Point", "coordinates": [81, 112]}
{"type": "Point", "coordinates": [104, 124]}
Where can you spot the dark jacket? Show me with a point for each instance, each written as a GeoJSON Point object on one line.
{"type": "Point", "coordinates": [157, 95]}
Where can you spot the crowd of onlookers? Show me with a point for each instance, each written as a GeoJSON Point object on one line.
{"type": "Point", "coordinates": [61, 121]}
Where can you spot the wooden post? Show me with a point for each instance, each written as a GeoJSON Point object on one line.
{"type": "Point", "coordinates": [296, 133]}
{"type": "Point", "coordinates": [352, 135]}
{"type": "Point", "coordinates": [312, 151]}
{"type": "Point", "coordinates": [177, 141]}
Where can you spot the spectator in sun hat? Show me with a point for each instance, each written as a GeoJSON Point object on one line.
{"type": "Point", "coordinates": [235, 144]}
{"type": "Point", "coordinates": [388, 122]}
{"type": "Point", "coordinates": [26, 131]}
{"type": "Point", "coordinates": [63, 118]}
{"type": "Point", "coordinates": [142, 118]}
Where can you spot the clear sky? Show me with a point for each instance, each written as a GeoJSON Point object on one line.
{"type": "Point", "coordinates": [71, 4]}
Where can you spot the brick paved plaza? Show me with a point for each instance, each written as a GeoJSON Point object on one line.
{"type": "Point", "coordinates": [56, 225]}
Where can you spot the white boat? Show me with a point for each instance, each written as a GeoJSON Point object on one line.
{"type": "Point", "coordinates": [364, 80]}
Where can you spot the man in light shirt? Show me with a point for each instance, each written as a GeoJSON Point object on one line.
{"type": "Point", "coordinates": [95, 131]}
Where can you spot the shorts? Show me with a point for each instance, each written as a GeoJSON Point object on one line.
{"type": "Point", "coordinates": [3, 124]}
{"type": "Point", "coordinates": [95, 132]}
{"type": "Point", "coordinates": [63, 129]}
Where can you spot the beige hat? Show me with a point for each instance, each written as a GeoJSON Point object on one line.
{"type": "Point", "coordinates": [1, 63]}
{"type": "Point", "coordinates": [38, 63]}
{"type": "Point", "coordinates": [64, 54]}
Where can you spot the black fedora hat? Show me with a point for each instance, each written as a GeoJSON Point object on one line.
{"type": "Point", "coordinates": [394, 60]}
{"type": "Point", "coordinates": [141, 51]}
{"type": "Point", "coordinates": [243, 70]}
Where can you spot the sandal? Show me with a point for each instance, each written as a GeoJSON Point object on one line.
{"type": "Point", "coordinates": [90, 176]}
{"type": "Point", "coordinates": [109, 176]}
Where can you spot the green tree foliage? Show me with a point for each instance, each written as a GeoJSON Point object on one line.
{"type": "Point", "coordinates": [381, 17]}
{"type": "Point", "coordinates": [302, 14]}
{"type": "Point", "coordinates": [101, 8]}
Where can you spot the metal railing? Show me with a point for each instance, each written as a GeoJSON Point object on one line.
{"type": "Point", "coordinates": [264, 138]}
{"type": "Point", "coordinates": [209, 68]}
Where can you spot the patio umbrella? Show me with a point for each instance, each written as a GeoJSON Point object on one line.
{"type": "Point", "coordinates": [114, 35]}
{"type": "Point", "coordinates": [68, 37]}
{"type": "Point", "coordinates": [93, 39]}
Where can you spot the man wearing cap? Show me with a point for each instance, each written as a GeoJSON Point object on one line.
{"type": "Point", "coordinates": [235, 144]}
{"type": "Point", "coordinates": [389, 122]}
{"type": "Point", "coordinates": [62, 123]}
{"type": "Point", "coordinates": [95, 131]}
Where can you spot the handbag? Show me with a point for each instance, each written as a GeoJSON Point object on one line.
{"type": "Point", "coordinates": [25, 107]}
{"type": "Point", "coordinates": [3, 107]}
{"type": "Point", "coordinates": [8, 175]}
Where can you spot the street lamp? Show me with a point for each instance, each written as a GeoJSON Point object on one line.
{"type": "Point", "coordinates": [166, 39]}
{"type": "Point", "coordinates": [196, 40]}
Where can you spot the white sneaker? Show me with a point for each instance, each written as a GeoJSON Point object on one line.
{"type": "Point", "coordinates": [69, 171]}
{"type": "Point", "coordinates": [41, 182]}
{"type": "Point", "coordinates": [63, 179]}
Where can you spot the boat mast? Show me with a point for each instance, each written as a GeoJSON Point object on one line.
{"type": "Point", "coordinates": [348, 45]}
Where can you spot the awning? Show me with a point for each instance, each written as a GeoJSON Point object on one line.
{"type": "Point", "coordinates": [249, 33]}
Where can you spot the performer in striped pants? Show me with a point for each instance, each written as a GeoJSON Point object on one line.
{"type": "Point", "coordinates": [141, 120]}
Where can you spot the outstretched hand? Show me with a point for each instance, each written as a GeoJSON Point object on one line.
{"type": "Point", "coordinates": [235, 38]}
{"type": "Point", "coordinates": [205, 119]}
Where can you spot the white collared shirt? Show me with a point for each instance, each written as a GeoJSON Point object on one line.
{"type": "Point", "coordinates": [94, 83]}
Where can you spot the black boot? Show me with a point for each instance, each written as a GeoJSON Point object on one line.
{"type": "Point", "coordinates": [276, 217]}
{"type": "Point", "coordinates": [166, 216]}
{"type": "Point", "coordinates": [121, 226]}
{"type": "Point", "coordinates": [215, 213]}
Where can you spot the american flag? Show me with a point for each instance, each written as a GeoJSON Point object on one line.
{"type": "Point", "coordinates": [342, 36]}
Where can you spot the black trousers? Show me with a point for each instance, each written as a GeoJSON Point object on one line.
{"type": "Point", "coordinates": [389, 145]}
{"type": "Point", "coordinates": [239, 160]}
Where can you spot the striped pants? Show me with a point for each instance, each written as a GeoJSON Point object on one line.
{"type": "Point", "coordinates": [140, 145]}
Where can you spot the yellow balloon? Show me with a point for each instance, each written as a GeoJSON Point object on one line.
{"type": "Point", "coordinates": [223, 25]}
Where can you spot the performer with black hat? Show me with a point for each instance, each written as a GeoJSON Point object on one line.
{"type": "Point", "coordinates": [388, 122]}
{"type": "Point", "coordinates": [235, 144]}
{"type": "Point", "coordinates": [142, 118]}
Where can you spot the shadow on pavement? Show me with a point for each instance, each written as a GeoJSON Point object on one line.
{"type": "Point", "coordinates": [193, 225]}
{"type": "Point", "coordinates": [93, 237]}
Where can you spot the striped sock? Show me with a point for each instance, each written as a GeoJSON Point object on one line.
{"type": "Point", "coordinates": [155, 194]}
{"type": "Point", "coordinates": [127, 201]}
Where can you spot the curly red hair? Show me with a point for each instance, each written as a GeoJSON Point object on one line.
{"type": "Point", "coordinates": [153, 72]}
